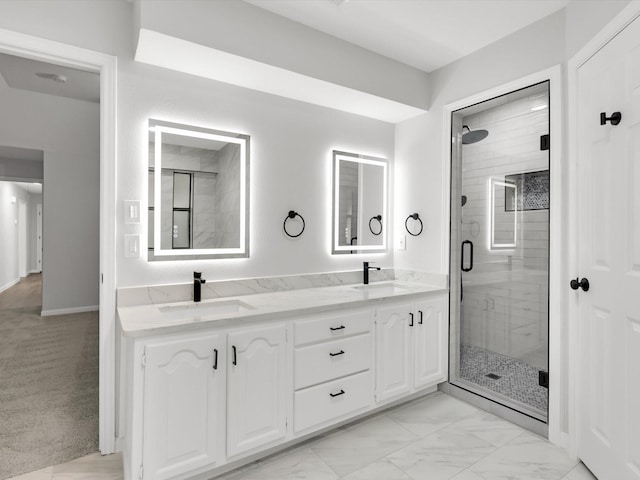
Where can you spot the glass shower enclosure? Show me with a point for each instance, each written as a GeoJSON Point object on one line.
{"type": "Point", "coordinates": [500, 250]}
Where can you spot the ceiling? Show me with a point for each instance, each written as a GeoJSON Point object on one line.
{"type": "Point", "coordinates": [21, 72]}
{"type": "Point", "coordinates": [426, 34]}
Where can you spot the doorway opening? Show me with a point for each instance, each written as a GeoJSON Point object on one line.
{"type": "Point", "coordinates": [49, 347]}
{"type": "Point", "coordinates": [499, 250]}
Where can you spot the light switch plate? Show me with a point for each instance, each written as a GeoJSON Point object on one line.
{"type": "Point", "coordinates": [132, 211]}
{"type": "Point", "coordinates": [132, 246]}
{"type": "Point", "coordinates": [402, 242]}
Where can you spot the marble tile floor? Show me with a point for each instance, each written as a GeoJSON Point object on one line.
{"type": "Point", "coordinates": [433, 438]}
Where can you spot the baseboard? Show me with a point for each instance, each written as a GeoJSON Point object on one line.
{"type": "Point", "coordinates": [65, 311]}
{"type": "Point", "coordinates": [9, 285]}
{"type": "Point", "coordinates": [34, 271]}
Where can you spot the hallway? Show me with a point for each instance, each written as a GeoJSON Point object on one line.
{"type": "Point", "coordinates": [48, 382]}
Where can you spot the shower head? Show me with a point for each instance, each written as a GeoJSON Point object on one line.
{"type": "Point", "coordinates": [473, 136]}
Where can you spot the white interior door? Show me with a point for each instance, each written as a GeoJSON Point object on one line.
{"type": "Point", "coordinates": [609, 257]}
{"type": "Point", "coordinates": [22, 238]}
{"type": "Point", "coordinates": [39, 237]}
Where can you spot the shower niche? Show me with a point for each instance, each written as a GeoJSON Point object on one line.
{"type": "Point", "coordinates": [499, 252]}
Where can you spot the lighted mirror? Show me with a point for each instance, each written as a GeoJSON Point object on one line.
{"type": "Point", "coordinates": [360, 218]}
{"type": "Point", "coordinates": [504, 221]}
{"type": "Point", "coordinates": [198, 192]}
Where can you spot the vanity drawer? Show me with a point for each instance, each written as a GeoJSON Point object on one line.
{"type": "Point", "coordinates": [326, 361]}
{"type": "Point", "coordinates": [332, 325]}
{"type": "Point", "coordinates": [332, 400]}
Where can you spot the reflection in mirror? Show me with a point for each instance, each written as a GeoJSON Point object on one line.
{"type": "Point", "coordinates": [504, 221]}
{"type": "Point", "coordinates": [359, 195]}
{"type": "Point", "coordinates": [198, 192]}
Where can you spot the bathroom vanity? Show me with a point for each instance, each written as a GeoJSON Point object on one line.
{"type": "Point", "coordinates": [211, 386]}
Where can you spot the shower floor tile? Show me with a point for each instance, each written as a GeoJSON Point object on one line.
{"type": "Point", "coordinates": [517, 380]}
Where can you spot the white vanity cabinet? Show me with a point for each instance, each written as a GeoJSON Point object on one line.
{"type": "Point", "coordinates": [183, 404]}
{"type": "Point", "coordinates": [220, 394]}
{"type": "Point", "coordinates": [256, 387]}
{"type": "Point", "coordinates": [411, 346]}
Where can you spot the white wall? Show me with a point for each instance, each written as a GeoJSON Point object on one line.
{"type": "Point", "coordinates": [68, 132]}
{"type": "Point", "coordinates": [291, 144]}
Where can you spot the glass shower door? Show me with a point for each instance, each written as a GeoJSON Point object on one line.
{"type": "Point", "coordinates": [499, 252]}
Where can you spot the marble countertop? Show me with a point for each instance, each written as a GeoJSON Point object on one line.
{"type": "Point", "coordinates": [144, 320]}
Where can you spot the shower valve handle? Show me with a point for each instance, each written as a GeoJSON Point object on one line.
{"type": "Point", "coordinates": [576, 283]}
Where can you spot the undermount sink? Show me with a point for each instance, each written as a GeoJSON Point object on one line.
{"type": "Point", "coordinates": [381, 288]}
{"type": "Point", "coordinates": [204, 309]}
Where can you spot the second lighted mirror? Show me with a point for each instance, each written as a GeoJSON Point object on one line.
{"type": "Point", "coordinates": [360, 218]}
{"type": "Point", "coordinates": [198, 192]}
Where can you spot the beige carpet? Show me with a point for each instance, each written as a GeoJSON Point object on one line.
{"type": "Point", "coordinates": [48, 388]}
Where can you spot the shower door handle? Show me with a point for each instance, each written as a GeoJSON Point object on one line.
{"type": "Point", "coordinates": [470, 243]}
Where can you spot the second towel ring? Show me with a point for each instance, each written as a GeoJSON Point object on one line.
{"type": "Point", "coordinates": [415, 216]}
{"type": "Point", "coordinates": [379, 219]}
{"type": "Point", "coordinates": [292, 214]}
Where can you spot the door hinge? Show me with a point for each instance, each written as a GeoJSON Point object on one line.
{"type": "Point", "coordinates": [143, 360]}
{"type": "Point", "coordinates": [141, 472]}
{"type": "Point", "coordinates": [102, 278]}
{"type": "Point", "coordinates": [543, 378]}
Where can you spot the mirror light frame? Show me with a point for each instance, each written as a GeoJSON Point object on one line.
{"type": "Point", "coordinates": [338, 156]}
{"type": "Point", "coordinates": [158, 127]}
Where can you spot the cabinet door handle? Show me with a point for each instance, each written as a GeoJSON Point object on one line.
{"type": "Point", "coordinates": [420, 321]}
{"type": "Point", "coordinates": [411, 320]}
{"type": "Point", "coordinates": [215, 358]}
{"type": "Point", "coordinates": [341, 392]}
{"type": "Point", "coordinates": [333, 329]}
{"type": "Point", "coordinates": [235, 357]}
{"type": "Point", "coordinates": [341, 352]}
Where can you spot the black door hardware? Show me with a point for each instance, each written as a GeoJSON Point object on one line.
{"type": "Point", "coordinates": [544, 142]}
{"type": "Point", "coordinates": [583, 284]}
{"type": "Point", "coordinates": [333, 329]}
{"type": "Point", "coordinates": [215, 358]}
{"type": "Point", "coordinates": [614, 118]}
{"type": "Point", "coordinates": [341, 392]}
{"type": "Point", "coordinates": [543, 378]}
{"type": "Point", "coordinates": [470, 267]}
{"type": "Point", "coordinates": [420, 321]}
{"type": "Point", "coordinates": [235, 357]}
{"type": "Point", "coordinates": [411, 320]}
{"type": "Point", "coordinates": [341, 352]}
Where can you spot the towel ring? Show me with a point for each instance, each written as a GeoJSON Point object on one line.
{"type": "Point", "coordinates": [379, 219]}
{"type": "Point", "coordinates": [415, 216]}
{"type": "Point", "coordinates": [292, 214]}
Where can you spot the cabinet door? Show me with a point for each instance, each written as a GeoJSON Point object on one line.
{"type": "Point", "coordinates": [256, 388]}
{"type": "Point", "coordinates": [430, 342]}
{"type": "Point", "coordinates": [393, 351]}
{"type": "Point", "coordinates": [183, 395]}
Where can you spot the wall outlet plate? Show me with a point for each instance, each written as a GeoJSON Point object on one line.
{"type": "Point", "coordinates": [132, 211]}
{"type": "Point", "coordinates": [132, 246]}
{"type": "Point", "coordinates": [402, 242]}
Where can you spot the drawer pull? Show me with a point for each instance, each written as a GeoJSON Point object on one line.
{"type": "Point", "coordinates": [420, 321]}
{"type": "Point", "coordinates": [411, 321]}
{"type": "Point", "coordinates": [235, 355]}
{"type": "Point", "coordinates": [215, 358]}
{"type": "Point", "coordinates": [341, 352]}
{"type": "Point", "coordinates": [341, 392]}
{"type": "Point", "coordinates": [333, 329]}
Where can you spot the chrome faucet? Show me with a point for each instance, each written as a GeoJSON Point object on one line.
{"type": "Point", "coordinates": [197, 286]}
{"type": "Point", "coordinates": [365, 272]}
